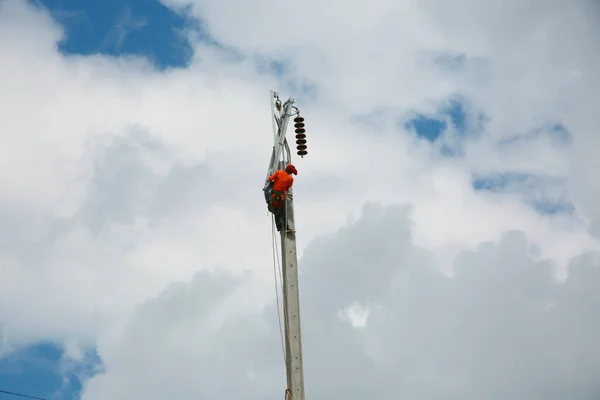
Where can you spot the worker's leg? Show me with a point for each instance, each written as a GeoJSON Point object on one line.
{"type": "Point", "coordinates": [277, 206]}
{"type": "Point", "coordinates": [281, 218]}
{"type": "Point", "coordinates": [278, 219]}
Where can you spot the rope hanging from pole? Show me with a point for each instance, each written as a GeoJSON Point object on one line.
{"type": "Point", "coordinates": [277, 264]}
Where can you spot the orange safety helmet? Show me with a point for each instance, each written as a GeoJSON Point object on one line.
{"type": "Point", "coordinates": [290, 169]}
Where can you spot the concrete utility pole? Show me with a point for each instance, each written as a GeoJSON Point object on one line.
{"type": "Point", "coordinates": [281, 114]}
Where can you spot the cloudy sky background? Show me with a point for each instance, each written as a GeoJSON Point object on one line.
{"type": "Point", "coordinates": [448, 212]}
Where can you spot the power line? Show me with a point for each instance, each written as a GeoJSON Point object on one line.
{"type": "Point", "coordinates": [21, 395]}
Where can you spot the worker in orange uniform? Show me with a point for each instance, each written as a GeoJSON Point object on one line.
{"type": "Point", "coordinates": [282, 181]}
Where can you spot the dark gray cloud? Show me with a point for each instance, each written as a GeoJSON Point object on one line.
{"type": "Point", "coordinates": [501, 328]}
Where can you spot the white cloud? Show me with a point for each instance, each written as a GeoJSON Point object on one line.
{"type": "Point", "coordinates": [119, 180]}
{"type": "Point", "coordinates": [355, 314]}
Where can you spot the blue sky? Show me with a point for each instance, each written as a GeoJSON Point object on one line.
{"type": "Point", "coordinates": [432, 129]}
{"type": "Point", "coordinates": [453, 120]}
{"type": "Point", "coordinates": [117, 27]}
{"type": "Point", "coordinates": [33, 371]}
{"type": "Point", "coordinates": [38, 371]}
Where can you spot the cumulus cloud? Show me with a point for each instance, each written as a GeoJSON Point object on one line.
{"type": "Point", "coordinates": [502, 327]}
{"type": "Point", "coordinates": [120, 180]}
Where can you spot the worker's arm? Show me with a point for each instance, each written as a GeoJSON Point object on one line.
{"type": "Point", "coordinates": [274, 176]}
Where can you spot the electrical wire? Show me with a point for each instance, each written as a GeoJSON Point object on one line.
{"type": "Point", "coordinates": [21, 395]}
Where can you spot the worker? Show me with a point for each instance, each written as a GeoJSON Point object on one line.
{"type": "Point", "coordinates": [281, 180]}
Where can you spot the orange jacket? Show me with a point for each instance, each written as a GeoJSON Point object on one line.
{"type": "Point", "coordinates": [282, 181]}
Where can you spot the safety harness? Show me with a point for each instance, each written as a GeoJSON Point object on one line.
{"type": "Point", "coordinates": [277, 193]}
